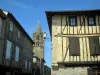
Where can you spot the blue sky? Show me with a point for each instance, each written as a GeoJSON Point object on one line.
{"type": "Point", "coordinates": [28, 12]}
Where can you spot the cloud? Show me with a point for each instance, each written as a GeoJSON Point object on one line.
{"type": "Point", "coordinates": [19, 4]}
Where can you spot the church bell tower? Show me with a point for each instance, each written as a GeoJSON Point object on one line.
{"type": "Point", "coordinates": [39, 42]}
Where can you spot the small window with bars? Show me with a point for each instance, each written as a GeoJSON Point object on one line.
{"type": "Point", "coordinates": [72, 20]}
{"type": "Point", "coordinates": [91, 20]}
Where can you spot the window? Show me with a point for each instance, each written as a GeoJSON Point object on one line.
{"type": "Point", "coordinates": [91, 20]}
{"type": "Point", "coordinates": [8, 49]}
{"type": "Point", "coordinates": [29, 64]}
{"type": "Point", "coordinates": [93, 71]}
{"type": "Point", "coordinates": [74, 47]}
{"type": "Point", "coordinates": [17, 54]}
{"type": "Point", "coordinates": [11, 26]}
{"type": "Point", "coordinates": [72, 20]}
{"type": "Point", "coordinates": [0, 23]}
{"type": "Point", "coordinates": [94, 45]}
{"type": "Point", "coordinates": [41, 37]}
{"type": "Point", "coordinates": [37, 37]}
{"type": "Point", "coordinates": [25, 64]}
{"type": "Point", "coordinates": [18, 34]}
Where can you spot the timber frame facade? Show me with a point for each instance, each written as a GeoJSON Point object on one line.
{"type": "Point", "coordinates": [75, 40]}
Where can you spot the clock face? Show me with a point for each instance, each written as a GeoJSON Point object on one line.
{"type": "Point", "coordinates": [54, 20]}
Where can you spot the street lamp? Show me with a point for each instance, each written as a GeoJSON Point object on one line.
{"type": "Point", "coordinates": [34, 60]}
{"type": "Point", "coordinates": [44, 35]}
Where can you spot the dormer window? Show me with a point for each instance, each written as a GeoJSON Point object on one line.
{"type": "Point", "coordinates": [91, 20]}
{"type": "Point", "coordinates": [72, 21]}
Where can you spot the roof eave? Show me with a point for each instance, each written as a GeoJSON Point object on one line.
{"type": "Point", "coordinates": [2, 14]}
{"type": "Point", "coordinates": [49, 20]}
{"type": "Point", "coordinates": [11, 16]}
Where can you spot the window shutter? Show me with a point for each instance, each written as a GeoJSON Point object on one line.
{"type": "Point", "coordinates": [74, 46]}
{"type": "Point", "coordinates": [97, 45]}
{"type": "Point", "coordinates": [94, 45]}
{"type": "Point", "coordinates": [91, 44]}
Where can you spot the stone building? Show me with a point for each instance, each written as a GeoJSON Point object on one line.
{"type": "Point", "coordinates": [47, 70]}
{"type": "Point", "coordinates": [16, 47]}
{"type": "Point", "coordinates": [75, 42]}
{"type": "Point", "coordinates": [39, 47]}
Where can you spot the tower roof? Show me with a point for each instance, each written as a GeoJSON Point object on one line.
{"type": "Point", "coordinates": [38, 30]}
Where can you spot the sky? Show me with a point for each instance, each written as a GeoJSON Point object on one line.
{"type": "Point", "coordinates": [28, 12]}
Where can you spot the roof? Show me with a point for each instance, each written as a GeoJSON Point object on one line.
{"type": "Point", "coordinates": [8, 14]}
{"type": "Point", "coordinates": [72, 11]}
{"type": "Point", "coordinates": [49, 14]}
{"type": "Point", "coordinates": [43, 60]}
{"type": "Point", "coordinates": [2, 14]}
{"type": "Point", "coordinates": [38, 30]}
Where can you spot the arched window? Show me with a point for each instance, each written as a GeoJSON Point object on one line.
{"type": "Point", "coordinates": [41, 37]}
{"type": "Point", "coordinates": [37, 37]}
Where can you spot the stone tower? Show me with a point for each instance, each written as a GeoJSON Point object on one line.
{"type": "Point", "coordinates": [39, 42]}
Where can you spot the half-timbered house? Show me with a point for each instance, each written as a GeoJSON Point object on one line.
{"type": "Point", "coordinates": [75, 42]}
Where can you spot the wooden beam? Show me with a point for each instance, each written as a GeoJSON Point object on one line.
{"type": "Point", "coordinates": [76, 35]}
{"type": "Point", "coordinates": [66, 53]}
